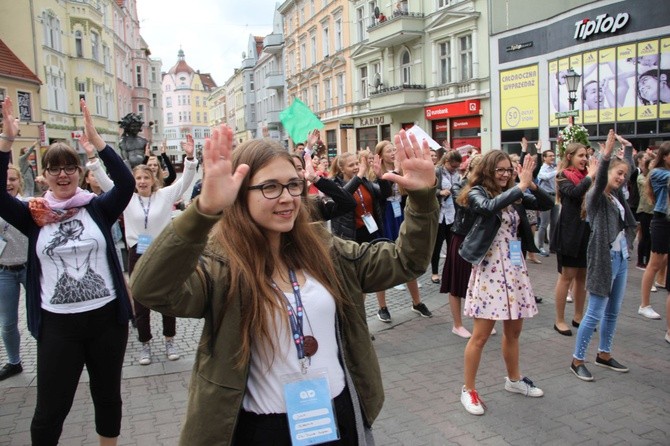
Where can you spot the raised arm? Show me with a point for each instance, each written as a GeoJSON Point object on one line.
{"type": "Point", "coordinates": [172, 175]}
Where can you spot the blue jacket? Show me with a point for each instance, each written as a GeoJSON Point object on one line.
{"type": "Point", "coordinates": [104, 210]}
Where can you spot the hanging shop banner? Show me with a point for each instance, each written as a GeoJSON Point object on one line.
{"type": "Point", "coordinates": [664, 78]}
{"type": "Point", "coordinates": [519, 98]}
{"type": "Point", "coordinates": [553, 93]}
{"type": "Point", "coordinates": [591, 96]}
{"type": "Point", "coordinates": [646, 82]}
{"type": "Point", "coordinates": [625, 86]}
{"type": "Point", "coordinates": [607, 77]}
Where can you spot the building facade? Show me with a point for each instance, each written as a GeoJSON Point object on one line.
{"type": "Point", "coordinates": [317, 66]}
{"type": "Point", "coordinates": [620, 49]}
{"type": "Point", "coordinates": [185, 109]}
{"type": "Point", "coordinates": [421, 62]}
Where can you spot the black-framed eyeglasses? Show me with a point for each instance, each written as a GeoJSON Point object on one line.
{"type": "Point", "coordinates": [273, 189]}
{"type": "Point", "coordinates": [502, 171]}
{"type": "Point", "coordinates": [69, 170]}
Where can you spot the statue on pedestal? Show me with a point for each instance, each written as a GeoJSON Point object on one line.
{"type": "Point", "coordinates": [132, 145]}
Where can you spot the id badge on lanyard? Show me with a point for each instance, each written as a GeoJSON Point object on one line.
{"type": "Point", "coordinates": [397, 211]}
{"type": "Point", "coordinates": [143, 242]}
{"type": "Point", "coordinates": [309, 408]}
{"type": "Point", "coordinates": [515, 252]}
{"type": "Point", "coordinates": [370, 223]}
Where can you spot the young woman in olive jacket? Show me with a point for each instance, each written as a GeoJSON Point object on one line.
{"type": "Point", "coordinates": [243, 287]}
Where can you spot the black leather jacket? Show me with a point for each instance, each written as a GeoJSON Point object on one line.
{"type": "Point", "coordinates": [344, 226]}
{"type": "Point", "coordinates": [488, 218]}
{"type": "Point", "coordinates": [464, 218]}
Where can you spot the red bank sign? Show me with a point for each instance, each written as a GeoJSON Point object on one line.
{"type": "Point", "coordinates": [463, 108]}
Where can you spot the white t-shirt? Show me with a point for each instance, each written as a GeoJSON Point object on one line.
{"type": "Point", "coordinates": [265, 387]}
{"type": "Point", "coordinates": [75, 272]}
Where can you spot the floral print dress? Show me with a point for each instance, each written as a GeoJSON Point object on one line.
{"type": "Point", "coordinates": [498, 289]}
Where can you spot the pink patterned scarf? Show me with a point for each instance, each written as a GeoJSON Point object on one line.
{"type": "Point", "coordinates": [49, 209]}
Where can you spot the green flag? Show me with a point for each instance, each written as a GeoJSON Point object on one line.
{"type": "Point", "coordinates": [299, 120]}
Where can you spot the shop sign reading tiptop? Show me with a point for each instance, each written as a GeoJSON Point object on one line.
{"type": "Point", "coordinates": [602, 24]}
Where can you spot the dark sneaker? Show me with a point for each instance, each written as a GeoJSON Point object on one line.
{"type": "Point", "coordinates": [581, 372]}
{"type": "Point", "coordinates": [422, 310]}
{"type": "Point", "coordinates": [611, 364]}
{"type": "Point", "coordinates": [384, 315]}
{"type": "Point", "coordinates": [10, 370]}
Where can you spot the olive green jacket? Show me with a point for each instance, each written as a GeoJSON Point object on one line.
{"type": "Point", "coordinates": [170, 278]}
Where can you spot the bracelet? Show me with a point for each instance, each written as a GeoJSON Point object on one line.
{"type": "Point", "coordinates": [6, 138]}
{"type": "Point", "coordinates": [92, 157]}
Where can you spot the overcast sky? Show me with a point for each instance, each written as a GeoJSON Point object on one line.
{"type": "Point", "coordinates": [212, 33]}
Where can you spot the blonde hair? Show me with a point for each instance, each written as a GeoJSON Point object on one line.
{"type": "Point", "coordinates": [146, 169]}
{"type": "Point", "coordinates": [18, 172]}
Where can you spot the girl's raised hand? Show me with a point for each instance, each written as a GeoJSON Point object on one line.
{"type": "Point", "coordinates": [87, 145]}
{"type": "Point", "coordinates": [188, 146]}
{"type": "Point", "coordinates": [89, 127]}
{"type": "Point", "coordinates": [309, 166]}
{"type": "Point", "coordinates": [377, 166]}
{"type": "Point", "coordinates": [592, 169]}
{"type": "Point", "coordinates": [363, 166]}
{"type": "Point", "coordinates": [220, 185]}
{"type": "Point", "coordinates": [415, 162]}
{"type": "Point", "coordinates": [10, 125]}
{"type": "Point", "coordinates": [525, 172]}
{"type": "Point", "coordinates": [609, 144]}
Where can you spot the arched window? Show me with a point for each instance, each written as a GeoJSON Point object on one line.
{"type": "Point", "coordinates": [78, 44]}
{"type": "Point", "coordinates": [406, 67]}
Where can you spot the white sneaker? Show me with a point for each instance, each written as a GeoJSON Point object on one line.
{"type": "Point", "coordinates": [524, 386]}
{"type": "Point", "coordinates": [653, 289]}
{"type": "Point", "coordinates": [648, 312]}
{"type": "Point", "coordinates": [569, 297]}
{"type": "Point", "coordinates": [145, 354]}
{"type": "Point", "coordinates": [171, 351]}
{"type": "Point", "coordinates": [462, 332]}
{"type": "Point", "coordinates": [470, 400]}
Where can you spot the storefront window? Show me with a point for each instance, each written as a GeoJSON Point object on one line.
{"type": "Point", "coordinates": [366, 137]}
{"type": "Point", "coordinates": [386, 132]}
{"type": "Point", "coordinates": [511, 139]}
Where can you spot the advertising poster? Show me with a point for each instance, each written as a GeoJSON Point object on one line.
{"type": "Point", "coordinates": [591, 96]}
{"type": "Point", "coordinates": [625, 86]}
{"type": "Point", "coordinates": [607, 79]}
{"type": "Point", "coordinates": [553, 93]}
{"type": "Point", "coordinates": [576, 65]}
{"type": "Point", "coordinates": [647, 63]}
{"type": "Point", "coordinates": [664, 78]}
{"type": "Point", "coordinates": [519, 98]}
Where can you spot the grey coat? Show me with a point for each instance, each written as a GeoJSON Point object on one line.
{"type": "Point", "coordinates": [606, 223]}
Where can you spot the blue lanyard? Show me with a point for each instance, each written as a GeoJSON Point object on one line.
{"type": "Point", "coordinates": [294, 316]}
{"type": "Point", "coordinates": [145, 210]}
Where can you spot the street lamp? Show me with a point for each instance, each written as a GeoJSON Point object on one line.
{"type": "Point", "coordinates": [572, 81]}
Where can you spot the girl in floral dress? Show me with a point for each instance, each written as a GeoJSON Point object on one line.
{"type": "Point", "coordinates": [499, 287]}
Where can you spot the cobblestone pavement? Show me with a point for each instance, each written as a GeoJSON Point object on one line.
{"type": "Point", "coordinates": [422, 366]}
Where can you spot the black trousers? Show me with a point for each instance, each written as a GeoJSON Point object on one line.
{"type": "Point", "coordinates": [67, 343]}
{"type": "Point", "coordinates": [443, 234]}
{"type": "Point", "coordinates": [273, 430]}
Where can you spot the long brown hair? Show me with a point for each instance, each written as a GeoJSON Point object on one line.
{"type": "Point", "coordinates": [661, 153]}
{"type": "Point", "coordinates": [484, 175]}
{"type": "Point", "coordinates": [159, 176]}
{"type": "Point", "coordinates": [252, 261]}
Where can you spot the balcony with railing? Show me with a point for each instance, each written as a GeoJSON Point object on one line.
{"type": "Point", "coordinates": [273, 43]}
{"type": "Point", "coordinates": [400, 28]}
{"type": "Point", "coordinates": [275, 80]}
{"type": "Point", "coordinates": [272, 117]}
{"type": "Point", "coordinates": [397, 96]}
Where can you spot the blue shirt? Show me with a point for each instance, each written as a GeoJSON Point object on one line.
{"type": "Point", "coordinates": [659, 183]}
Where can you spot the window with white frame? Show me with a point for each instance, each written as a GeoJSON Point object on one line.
{"type": "Point", "coordinates": [95, 46]}
{"type": "Point", "coordinates": [205, 133]}
{"type": "Point", "coordinates": [138, 76]}
{"type": "Point", "coordinates": [406, 67]}
{"type": "Point", "coordinates": [340, 89]}
{"type": "Point", "coordinates": [99, 97]}
{"type": "Point", "coordinates": [361, 29]}
{"type": "Point", "coordinates": [197, 101]}
{"type": "Point", "coordinates": [303, 55]}
{"type": "Point", "coordinates": [56, 90]}
{"type": "Point", "coordinates": [183, 132]}
{"type": "Point", "coordinates": [197, 133]}
{"type": "Point", "coordinates": [325, 40]}
{"type": "Point", "coordinates": [338, 33]}
{"type": "Point", "coordinates": [315, 98]}
{"type": "Point", "coordinates": [169, 117]}
{"type": "Point", "coordinates": [444, 54]}
{"type": "Point", "coordinates": [81, 88]}
{"type": "Point", "coordinates": [51, 25]}
{"type": "Point", "coordinates": [204, 118]}
{"type": "Point", "coordinates": [180, 116]}
{"type": "Point", "coordinates": [363, 74]}
{"type": "Point", "coordinates": [311, 8]}
{"type": "Point", "coordinates": [327, 93]}
{"type": "Point", "coordinates": [197, 117]}
{"type": "Point", "coordinates": [154, 100]}
{"type": "Point", "coordinates": [154, 75]}
{"type": "Point", "coordinates": [312, 45]}
{"type": "Point", "coordinates": [302, 15]}
{"type": "Point", "coordinates": [107, 58]}
{"type": "Point", "coordinates": [445, 3]}
{"type": "Point", "coordinates": [78, 44]}
{"type": "Point", "coordinates": [465, 43]}
{"type": "Point", "coordinates": [140, 111]}
{"type": "Point", "coordinates": [109, 103]}
{"type": "Point", "coordinates": [168, 101]}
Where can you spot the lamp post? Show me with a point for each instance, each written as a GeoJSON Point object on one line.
{"type": "Point", "coordinates": [572, 81]}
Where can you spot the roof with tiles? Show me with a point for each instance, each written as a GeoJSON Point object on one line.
{"type": "Point", "coordinates": [207, 81]}
{"type": "Point", "coordinates": [12, 66]}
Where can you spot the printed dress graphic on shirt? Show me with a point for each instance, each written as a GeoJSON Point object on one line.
{"type": "Point", "coordinates": [72, 256]}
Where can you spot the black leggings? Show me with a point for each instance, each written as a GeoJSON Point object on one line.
{"type": "Point", "coordinates": [68, 342]}
{"type": "Point", "coordinates": [262, 430]}
{"type": "Point", "coordinates": [443, 233]}
{"type": "Point", "coordinates": [644, 244]}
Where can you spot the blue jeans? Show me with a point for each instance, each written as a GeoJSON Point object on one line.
{"type": "Point", "coordinates": [9, 311]}
{"type": "Point", "coordinates": [604, 309]}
